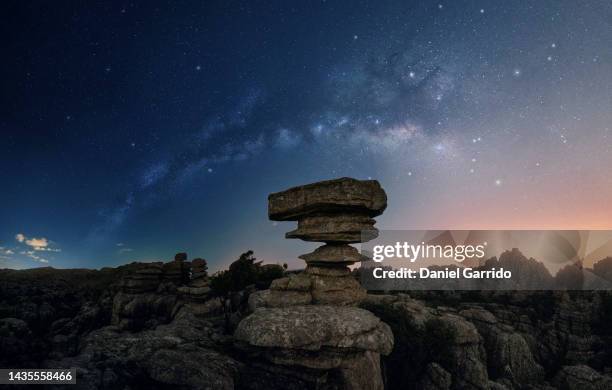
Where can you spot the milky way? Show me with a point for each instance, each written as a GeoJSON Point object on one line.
{"type": "Point", "coordinates": [133, 132]}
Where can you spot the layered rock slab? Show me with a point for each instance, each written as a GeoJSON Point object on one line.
{"type": "Point", "coordinates": [331, 196]}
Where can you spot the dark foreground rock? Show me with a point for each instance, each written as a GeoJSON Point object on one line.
{"type": "Point", "coordinates": [443, 340]}
{"type": "Point", "coordinates": [507, 340]}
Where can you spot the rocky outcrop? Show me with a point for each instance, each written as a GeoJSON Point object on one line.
{"type": "Point", "coordinates": [198, 288]}
{"type": "Point", "coordinates": [442, 340]}
{"type": "Point", "coordinates": [177, 271]}
{"type": "Point", "coordinates": [151, 293]}
{"type": "Point", "coordinates": [482, 340]}
{"type": "Point", "coordinates": [581, 377]}
{"type": "Point", "coordinates": [184, 353]}
{"type": "Point", "coordinates": [308, 320]}
{"type": "Point", "coordinates": [158, 325]}
{"type": "Point", "coordinates": [143, 280]}
{"type": "Point", "coordinates": [199, 273]}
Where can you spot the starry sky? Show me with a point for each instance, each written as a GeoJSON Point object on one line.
{"type": "Point", "coordinates": [134, 130]}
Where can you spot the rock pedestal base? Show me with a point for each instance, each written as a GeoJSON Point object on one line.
{"type": "Point", "coordinates": [345, 342]}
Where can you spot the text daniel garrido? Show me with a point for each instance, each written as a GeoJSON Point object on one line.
{"type": "Point", "coordinates": [411, 252]}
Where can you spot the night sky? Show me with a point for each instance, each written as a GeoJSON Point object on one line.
{"type": "Point", "coordinates": [132, 131]}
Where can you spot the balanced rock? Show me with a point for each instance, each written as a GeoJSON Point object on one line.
{"type": "Point", "coordinates": [308, 320]}
{"type": "Point", "coordinates": [336, 212]}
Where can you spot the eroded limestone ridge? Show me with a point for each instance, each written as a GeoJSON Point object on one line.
{"type": "Point", "coordinates": [308, 319]}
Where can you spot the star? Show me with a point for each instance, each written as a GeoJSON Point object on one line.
{"type": "Point", "coordinates": [133, 144]}
{"type": "Point", "coordinates": [482, 10]}
{"type": "Point", "coordinates": [549, 58]}
{"type": "Point", "coordinates": [498, 182]}
{"type": "Point", "coordinates": [355, 37]}
{"type": "Point", "coordinates": [553, 45]}
{"type": "Point", "coordinates": [210, 170]}
{"type": "Point", "coordinates": [198, 67]}
{"type": "Point", "coordinates": [411, 74]}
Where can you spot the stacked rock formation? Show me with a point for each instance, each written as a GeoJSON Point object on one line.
{"type": "Point", "coordinates": [177, 271]}
{"type": "Point", "coordinates": [199, 273]}
{"type": "Point", "coordinates": [143, 280]}
{"type": "Point", "coordinates": [338, 213]}
{"type": "Point", "coordinates": [307, 320]}
{"type": "Point", "coordinates": [148, 294]}
{"type": "Point", "coordinates": [198, 288]}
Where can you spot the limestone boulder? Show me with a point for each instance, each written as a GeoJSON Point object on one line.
{"type": "Point", "coordinates": [315, 327]}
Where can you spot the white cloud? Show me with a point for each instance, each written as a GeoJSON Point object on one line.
{"type": "Point", "coordinates": [32, 255]}
{"type": "Point", "coordinates": [41, 244]}
{"type": "Point", "coordinates": [37, 242]}
{"type": "Point", "coordinates": [44, 249]}
{"type": "Point", "coordinates": [4, 251]}
{"type": "Point", "coordinates": [125, 250]}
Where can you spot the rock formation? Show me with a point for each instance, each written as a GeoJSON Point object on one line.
{"type": "Point", "coordinates": [133, 327]}
{"type": "Point", "coordinates": [177, 271]}
{"type": "Point", "coordinates": [308, 320]}
{"type": "Point", "coordinates": [198, 288]}
{"type": "Point", "coordinates": [336, 212]}
{"type": "Point", "coordinates": [143, 280]}
{"type": "Point", "coordinates": [149, 294]}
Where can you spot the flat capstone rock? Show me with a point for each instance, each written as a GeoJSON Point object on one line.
{"type": "Point", "coordinates": [332, 196]}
